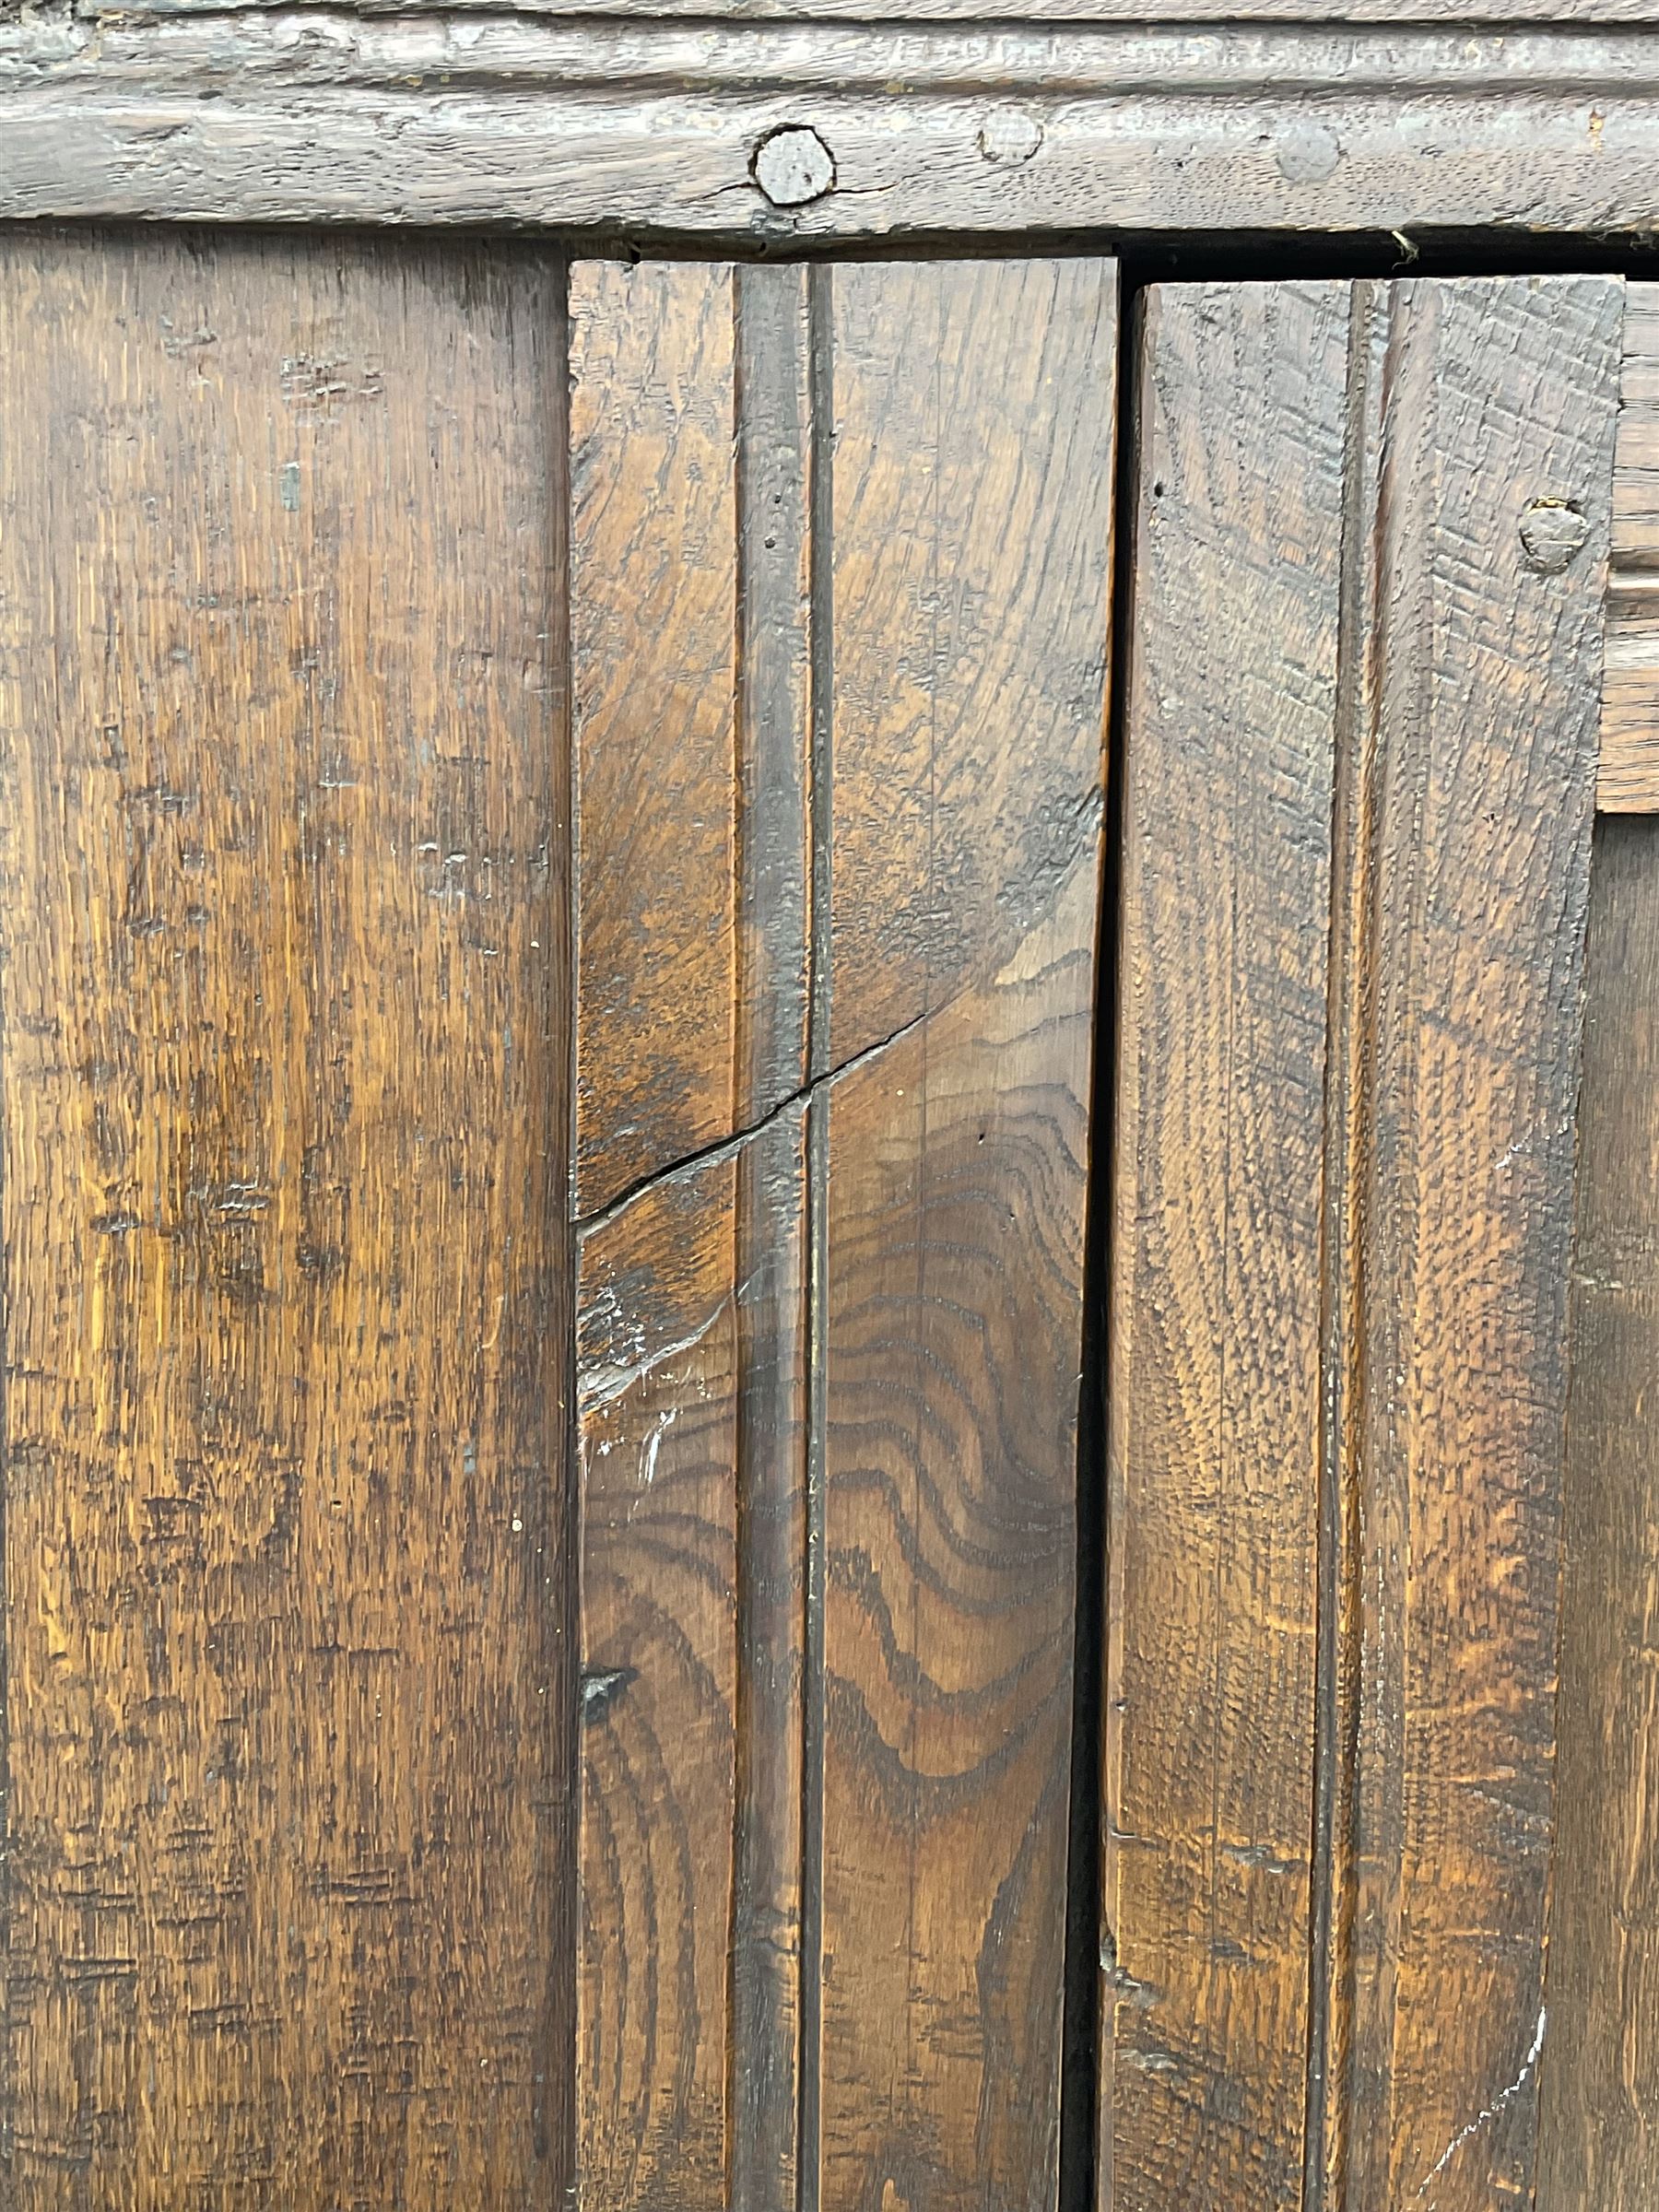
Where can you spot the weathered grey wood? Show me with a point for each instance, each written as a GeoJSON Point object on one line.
{"type": "Point", "coordinates": [318, 115]}
{"type": "Point", "coordinates": [1058, 11]}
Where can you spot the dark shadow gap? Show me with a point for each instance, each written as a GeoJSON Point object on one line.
{"type": "Point", "coordinates": [1079, 2078]}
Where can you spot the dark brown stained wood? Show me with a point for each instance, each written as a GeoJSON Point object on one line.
{"type": "Point", "coordinates": [1478, 728]}
{"type": "Point", "coordinates": [973, 418]}
{"type": "Point", "coordinates": [285, 1031]}
{"type": "Point", "coordinates": [1598, 2126]}
{"type": "Point", "coordinates": [650, 130]}
{"type": "Point", "coordinates": [691, 1348]}
{"type": "Point", "coordinates": [652, 647]}
{"type": "Point", "coordinates": [975, 409]}
{"type": "Point", "coordinates": [774, 543]}
{"type": "Point", "coordinates": [827, 1600]}
{"type": "Point", "coordinates": [1628, 779]}
{"type": "Point", "coordinates": [689, 643]}
{"type": "Point", "coordinates": [1216, 1325]}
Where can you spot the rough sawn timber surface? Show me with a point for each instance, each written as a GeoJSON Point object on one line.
{"type": "Point", "coordinates": [652, 129]}
{"type": "Point", "coordinates": [288, 1853]}
{"type": "Point", "coordinates": [1381, 1160]}
{"type": "Point", "coordinates": [1599, 2091]}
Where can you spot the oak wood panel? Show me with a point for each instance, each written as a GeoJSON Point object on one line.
{"type": "Point", "coordinates": [1627, 780]}
{"type": "Point", "coordinates": [285, 1032]}
{"type": "Point", "coordinates": [643, 129]}
{"type": "Point", "coordinates": [1476, 728]}
{"type": "Point", "coordinates": [975, 409]}
{"type": "Point", "coordinates": [973, 420]}
{"type": "Point", "coordinates": [822, 1713]}
{"type": "Point", "coordinates": [1599, 2130]}
{"type": "Point", "coordinates": [691, 1349]}
{"type": "Point", "coordinates": [1214, 1358]}
{"type": "Point", "coordinates": [653, 648]}
{"type": "Point", "coordinates": [956, 1160]}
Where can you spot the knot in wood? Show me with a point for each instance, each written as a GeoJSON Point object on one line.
{"type": "Point", "coordinates": [1552, 531]}
{"type": "Point", "coordinates": [792, 165]}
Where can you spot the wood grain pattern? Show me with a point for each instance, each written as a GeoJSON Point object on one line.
{"type": "Point", "coordinates": [653, 650]}
{"type": "Point", "coordinates": [1599, 2090]}
{"type": "Point", "coordinates": [827, 1600]}
{"type": "Point", "coordinates": [1215, 1390]}
{"type": "Point", "coordinates": [1479, 710]}
{"type": "Point", "coordinates": [975, 406]}
{"type": "Point", "coordinates": [285, 1032]}
{"type": "Point", "coordinates": [1627, 778]}
{"type": "Point", "coordinates": [1362, 741]}
{"type": "Point", "coordinates": [968, 626]}
{"type": "Point", "coordinates": [691, 1344]}
{"type": "Point", "coordinates": [313, 115]}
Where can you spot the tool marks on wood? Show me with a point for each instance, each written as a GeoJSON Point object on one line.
{"type": "Point", "coordinates": [1397, 1171]}
{"type": "Point", "coordinates": [1216, 1325]}
{"type": "Point", "coordinates": [1495, 394]}
{"type": "Point", "coordinates": [1599, 2085]}
{"type": "Point", "coordinates": [285, 1250]}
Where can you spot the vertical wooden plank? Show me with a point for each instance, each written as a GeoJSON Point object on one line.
{"type": "Point", "coordinates": [1628, 775]}
{"type": "Point", "coordinates": [285, 1040]}
{"type": "Point", "coordinates": [691, 1318]}
{"type": "Point", "coordinates": [1214, 1356]}
{"type": "Point", "coordinates": [1495, 407]}
{"type": "Point", "coordinates": [652, 643]}
{"type": "Point", "coordinates": [657, 1360]}
{"type": "Point", "coordinates": [969, 645]}
{"type": "Point", "coordinates": [691, 486]}
{"type": "Point", "coordinates": [971, 499]}
{"type": "Point", "coordinates": [1600, 2092]}
{"type": "Point", "coordinates": [1598, 2127]}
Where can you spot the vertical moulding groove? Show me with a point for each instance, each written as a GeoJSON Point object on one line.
{"type": "Point", "coordinates": [821, 570]}
{"type": "Point", "coordinates": [562, 1585]}
{"type": "Point", "coordinates": [773, 467]}
{"type": "Point", "coordinates": [821, 389]}
{"type": "Point", "coordinates": [1353, 875]}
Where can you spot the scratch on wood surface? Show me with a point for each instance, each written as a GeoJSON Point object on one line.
{"type": "Point", "coordinates": [1482, 2119]}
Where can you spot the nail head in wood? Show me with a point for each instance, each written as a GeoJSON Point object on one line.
{"type": "Point", "coordinates": [1009, 137]}
{"type": "Point", "coordinates": [1552, 531]}
{"type": "Point", "coordinates": [792, 165]}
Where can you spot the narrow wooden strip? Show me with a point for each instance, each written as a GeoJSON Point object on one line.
{"type": "Point", "coordinates": [653, 641]}
{"type": "Point", "coordinates": [1215, 1363]}
{"type": "Point", "coordinates": [971, 503]}
{"type": "Point", "coordinates": [1599, 2088]}
{"type": "Point", "coordinates": [1500, 395]}
{"type": "Point", "coordinates": [691, 1319]}
{"type": "Point", "coordinates": [659, 1396]}
{"type": "Point", "coordinates": [773, 410]}
{"type": "Point", "coordinates": [770, 1294]}
{"type": "Point", "coordinates": [969, 579]}
{"type": "Point", "coordinates": [285, 1261]}
{"type": "Point", "coordinates": [1627, 780]}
